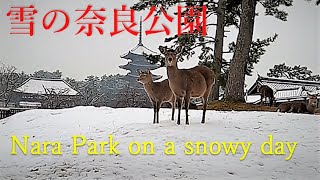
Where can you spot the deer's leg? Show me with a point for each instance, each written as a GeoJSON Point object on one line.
{"type": "Point", "coordinates": [158, 109]}
{"type": "Point", "coordinates": [173, 104]}
{"type": "Point", "coordinates": [291, 109]}
{"type": "Point", "coordinates": [154, 104]}
{"type": "Point", "coordinates": [186, 103]}
{"type": "Point", "coordinates": [205, 104]}
{"type": "Point", "coordinates": [205, 101]}
{"type": "Point", "coordinates": [179, 99]}
{"type": "Point", "coordinates": [269, 104]}
{"type": "Point", "coordinates": [271, 101]}
{"type": "Point", "coordinates": [265, 100]}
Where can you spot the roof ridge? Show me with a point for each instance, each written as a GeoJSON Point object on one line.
{"type": "Point", "coordinates": [290, 80]}
{"type": "Point", "coordinates": [46, 79]}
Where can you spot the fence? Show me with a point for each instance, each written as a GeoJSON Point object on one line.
{"type": "Point", "coordinates": [6, 112]}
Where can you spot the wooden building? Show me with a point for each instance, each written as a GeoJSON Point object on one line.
{"type": "Point", "coordinates": [44, 93]}
{"type": "Point", "coordinates": [283, 89]}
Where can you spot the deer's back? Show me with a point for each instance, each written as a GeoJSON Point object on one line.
{"type": "Point", "coordinates": [195, 81]}
{"type": "Point", "coordinates": [295, 106]}
{"type": "Point", "coordinates": [284, 107]}
{"type": "Point", "coordinates": [160, 91]}
{"type": "Point", "coordinates": [207, 73]}
{"type": "Point", "coordinates": [299, 107]}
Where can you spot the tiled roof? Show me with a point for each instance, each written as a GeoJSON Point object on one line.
{"type": "Point", "coordinates": [286, 88]}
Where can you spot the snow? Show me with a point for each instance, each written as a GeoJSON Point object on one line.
{"type": "Point", "coordinates": [253, 98]}
{"type": "Point", "coordinates": [130, 124]}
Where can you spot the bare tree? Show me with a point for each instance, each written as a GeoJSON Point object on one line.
{"type": "Point", "coordinates": [9, 81]}
{"type": "Point", "coordinates": [90, 90]}
{"type": "Point", "coordinates": [132, 97]}
{"type": "Point", "coordinates": [57, 98]}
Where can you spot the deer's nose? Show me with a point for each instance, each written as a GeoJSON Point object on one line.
{"type": "Point", "coordinates": [170, 59]}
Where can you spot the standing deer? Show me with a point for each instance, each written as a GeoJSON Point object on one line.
{"type": "Point", "coordinates": [266, 92]}
{"type": "Point", "coordinates": [158, 92]}
{"type": "Point", "coordinates": [300, 107]}
{"type": "Point", "coordinates": [187, 83]}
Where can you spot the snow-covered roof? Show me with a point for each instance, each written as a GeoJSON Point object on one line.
{"type": "Point", "coordinates": [140, 49]}
{"type": "Point", "coordinates": [46, 86]}
{"type": "Point", "coordinates": [133, 67]}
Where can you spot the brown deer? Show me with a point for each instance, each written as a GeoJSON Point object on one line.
{"type": "Point", "coordinates": [300, 107]}
{"type": "Point", "coordinates": [158, 92]}
{"type": "Point", "coordinates": [266, 92]}
{"type": "Point", "coordinates": [187, 83]}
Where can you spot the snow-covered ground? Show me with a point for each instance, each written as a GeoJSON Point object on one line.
{"type": "Point", "coordinates": [128, 125]}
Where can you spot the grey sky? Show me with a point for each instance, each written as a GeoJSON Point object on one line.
{"type": "Point", "coordinates": [79, 56]}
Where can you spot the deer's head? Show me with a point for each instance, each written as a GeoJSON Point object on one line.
{"type": "Point", "coordinates": [171, 56]}
{"type": "Point", "coordinates": [312, 100]}
{"type": "Point", "coordinates": [145, 77]}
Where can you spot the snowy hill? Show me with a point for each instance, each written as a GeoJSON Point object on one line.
{"type": "Point", "coordinates": [130, 125]}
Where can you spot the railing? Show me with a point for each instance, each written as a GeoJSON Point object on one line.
{"type": "Point", "coordinates": [6, 112]}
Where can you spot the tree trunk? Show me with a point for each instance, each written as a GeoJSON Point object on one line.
{"type": "Point", "coordinates": [236, 78]}
{"type": "Point", "coordinates": [218, 47]}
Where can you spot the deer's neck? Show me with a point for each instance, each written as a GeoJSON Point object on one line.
{"type": "Point", "coordinates": [172, 72]}
{"type": "Point", "coordinates": [148, 87]}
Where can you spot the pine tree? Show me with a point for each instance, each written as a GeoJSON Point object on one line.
{"type": "Point", "coordinates": [317, 2]}
{"type": "Point", "coordinates": [296, 72]}
{"type": "Point", "coordinates": [236, 77]}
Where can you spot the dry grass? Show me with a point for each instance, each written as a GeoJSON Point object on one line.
{"type": "Point", "coordinates": [226, 106]}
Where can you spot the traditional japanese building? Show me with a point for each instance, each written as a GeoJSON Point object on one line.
{"type": "Point", "coordinates": [44, 93]}
{"type": "Point", "coordinates": [137, 61]}
{"type": "Point", "coordinates": [283, 89]}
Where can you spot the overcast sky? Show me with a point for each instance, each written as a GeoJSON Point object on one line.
{"type": "Point", "coordinates": [78, 55]}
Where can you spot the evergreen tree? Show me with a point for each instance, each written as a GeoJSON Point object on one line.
{"type": "Point", "coordinates": [236, 76]}
{"type": "Point", "coordinates": [47, 75]}
{"type": "Point", "coordinates": [297, 72]}
{"type": "Point", "coordinates": [90, 89]}
{"type": "Point", "coordinates": [96, 91]}
{"type": "Point", "coordinates": [317, 1]}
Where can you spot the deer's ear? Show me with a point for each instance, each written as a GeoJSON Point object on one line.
{"type": "Point", "coordinates": [163, 50]}
{"type": "Point", "coordinates": [178, 50]}
{"type": "Point", "coordinates": [148, 71]}
{"type": "Point", "coordinates": [139, 71]}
